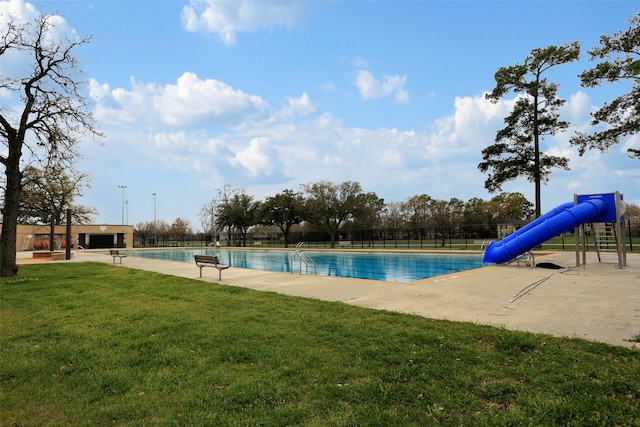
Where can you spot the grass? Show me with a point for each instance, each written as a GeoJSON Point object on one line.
{"type": "Point", "coordinates": [95, 344]}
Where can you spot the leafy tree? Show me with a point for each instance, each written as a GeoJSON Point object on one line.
{"type": "Point", "coordinates": [516, 151]}
{"type": "Point", "coordinates": [222, 204]}
{"type": "Point", "coordinates": [446, 215]}
{"type": "Point", "coordinates": [330, 205]}
{"type": "Point", "coordinates": [513, 205]}
{"type": "Point", "coordinates": [416, 210]}
{"type": "Point", "coordinates": [366, 215]}
{"type": "Point", "coordinates": [283, 210]}
{"type": "Point", "coordinates": [623, 113]}
{"type": "Point", "coordinates": [239, 211]}
{"type": "Point", "coordinates": [369, 207]}
{"type": "Point", "coordinates": [49, 192]}
{"type": "Point", "coordinates": [477, 216]}
{"type": "Point", "coordinates": [44, 109]}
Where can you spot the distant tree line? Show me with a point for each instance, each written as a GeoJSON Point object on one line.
{"type": "Point", "coordinates": [333, 208]}
{"type": "Point", "coordinates": [341, 211]}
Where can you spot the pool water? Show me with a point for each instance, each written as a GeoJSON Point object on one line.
{"type": "Point", "coordinates": [394, 267]}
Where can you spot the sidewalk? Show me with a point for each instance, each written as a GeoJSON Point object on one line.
{"type": "Point", "coordinates": [599, 302]}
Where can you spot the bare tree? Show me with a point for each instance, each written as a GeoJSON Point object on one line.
{"type": "Point", "coordinates": [47, 111]}
{"type": "Point", "coordinates": [144, 232]}
{"type": "Point", "coordinates": [207, 217]}
{"type": "Point", "coordinates": [180, 228]}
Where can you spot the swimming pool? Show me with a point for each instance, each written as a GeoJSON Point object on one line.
{"type": "Point", "coordinates": [393, 267]}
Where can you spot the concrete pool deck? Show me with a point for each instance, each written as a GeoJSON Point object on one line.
{"type": "Point", "coordinates": [598, 302]}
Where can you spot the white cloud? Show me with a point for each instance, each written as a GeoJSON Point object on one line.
{"type": "Point", "coordinates": [122, 107]}
{"type": "Point", "coordinates": [574, 185]}
{"type": "Point", "coordinates": [254, 158]}
{"type": "Point", "coordinates": [326, 120]}
{"type": "Point", "coordinates": [401, 96]}
{"type": "Point", "coordinates": [302, 105]}
{"type": "Point", "coordinates": [193, 101]}
{"type": "Point", "coordinates": [227, 18]}
{"type": "Point", "coordinates": [177, 151]}
{"type": "Point", "coordinates": [471, 127]}
{"type": "Point", "coordinates": [189, 102]}
{"type": "Point", "coordinates": [17, 9]}
{"type": "Point", "coordinates": [577, 108]}
{"type": "Point", "coordinates": [311, 149]}
{"type": "Point", "coordinates": [371, 88]}
{"type": "Point", "coordinates": [632, 141]}
{"type": "Point", "coordinates": [560, 152]}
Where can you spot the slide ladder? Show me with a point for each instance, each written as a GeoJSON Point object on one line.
{"type": "Point", "coordinates": [606, 240]}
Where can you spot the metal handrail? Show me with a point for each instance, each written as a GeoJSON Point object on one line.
{"type": "Point", "coordinates": [302, 258]}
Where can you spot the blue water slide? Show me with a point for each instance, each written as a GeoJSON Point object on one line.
{"type": "Point", "coordinates": [552, 224]}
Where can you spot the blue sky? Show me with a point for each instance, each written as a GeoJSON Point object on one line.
{"type": "Point", "coordinates": [269, 95]}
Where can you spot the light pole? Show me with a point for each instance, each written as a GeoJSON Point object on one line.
{"type": "Point", "coordinates": [154, 219]}
{"type": "Point", "coordinates": [126, 221]}
{"type": "Point", "coordinates": [213, 228]}
{"type": "Point", "coordinates": [123, 187]}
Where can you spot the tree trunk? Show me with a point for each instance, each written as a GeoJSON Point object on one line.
{"type": "Point", "coordinates": [52, 235]}
{"type": "Point", "coordinates": [285, 231]}
{"type": "Point", "coordinates": [10, 211]}
{"type": "Point", "coordinates": [536, 147]}
{"type": "Point", "coordinates": [67, 254]}
{"type": "Point", "coordinates": [8, 265]}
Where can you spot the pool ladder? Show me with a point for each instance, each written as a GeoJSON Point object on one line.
{"type": "Point", "coordinates": [303, 258]}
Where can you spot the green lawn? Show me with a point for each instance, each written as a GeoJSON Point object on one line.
{"type": "Point", "coordinates": [95, 344]}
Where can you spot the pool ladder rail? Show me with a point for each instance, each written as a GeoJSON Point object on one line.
{"type": "Point", "coordinates": [303, 258]}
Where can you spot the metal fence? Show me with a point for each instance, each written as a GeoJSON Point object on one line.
{"type": "Point", "coordinates": [429, 238]}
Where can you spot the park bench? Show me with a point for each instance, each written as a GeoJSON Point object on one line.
{"type": "Point", "coordinates": [210, 261]}
{"type": "Point", "coordinates": [344, 243]}
{"type": "Point", "coordinates": [116, 254]}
